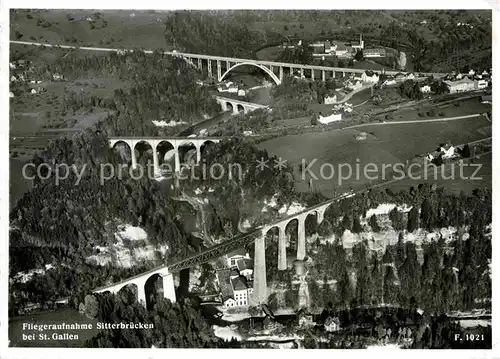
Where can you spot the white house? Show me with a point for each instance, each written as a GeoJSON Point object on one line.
{"type": "Point", "coordinates": [13, 78]}
{"type": "Point", "coordinates": [425, 89]}
{"type": "Point", "coordinates": [330, 100]}
{"type": "Point", "coordinates": [410, 76]}
{"type": "Point", "coordinates": [472, 72]}
{"type": "Point", "coordinates": [481, 84]}
{"type": "Point", "coordinates": [241, 92]}
{"type": "Point", "coordinates": [329, 119]}
{"type": "Point", "coordinates": [332, 324]}
{"type": "Point", "coordinates": [245, 267]}
{"type": "Point", "coordinates": [11, 94]}
{"type": "Point", "coordinates": [230, 302]}
{"type": "Point", "coordinates": [12, 65]}
{"type": "Point", "coordinates": [234, 256]}
{"type": "Point", "coordinates": [240, 290]}
{"type": "Point", "coordinates": [448, 151]}
{"type": "Point", "coordinates": [369, 77]}
{"type": "Point", "coordinates": [33, 91]}
{"type": "Point", "coordinates": [462, 85]}
{"type": "Point", "coordinates": [57, 77]}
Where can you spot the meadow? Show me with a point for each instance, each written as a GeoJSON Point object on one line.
{"type": "Point", "coordinates": [385, 145]}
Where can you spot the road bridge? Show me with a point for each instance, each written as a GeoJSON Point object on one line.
{"type": "Point", "coordinates": [221, 66]}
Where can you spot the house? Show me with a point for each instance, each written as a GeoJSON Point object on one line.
{"type": "Point", "coordinates": [481, 84]}
{"type": "Point", "coordinates": [235, 273]}
{"type": "Point", "coordinates": [389, 83]}
{"type": "Point", "coordinates": [359, 45]}
{"type": "Point", "coordinates": [330, 100]}
{"type": "Point", "coordinates": [240, 290]}
{"type": "Point", "coordinates": [425, 89]}
{"type": "Point", "coordinates": [13, 78]}
{"type": "Point", "coordinates": [12, 65]}
{"type": "Point", "coordinates": [304, 319]}
{"type": "Point", "coordinates": [241, 92]}
{"type": "Point", "coordinates": [399, 76]}
{"type": "Point", "coordinates": [229, 302]}
{"type": "Point", "coordinates": [410, 76]}
{"type": "Point", "coordinates": [33, 91]}
{"type": "Point", "coordinates": [486, 99]}
{"type": "Point", "coordinates": [11, 94]}
{"type": "Point", "coordinates": [472, 72]}
{"type": "Point", "coordinates": [350, 86]}
{"type": "Point", "coordinates": [245, 267]}
{"type": "Point", "coordinates": [332, 324]}
{"type": "Point", "coordinates": [299, 266]}
{"type": "Point", "coordinates": [340, 49]}
{"type": "Point", "coordinates": [369, 77]}
{"type": "Point", "coordinates": [374, 52]}
{"type": "Point", "coordinates": [234, 256]}
{"type": "Point", "coordinates": [462, 85]}
{"type": "Point", "coordinates": [447, 151]}
{"type": "Point", "coordinates": [57, 77]}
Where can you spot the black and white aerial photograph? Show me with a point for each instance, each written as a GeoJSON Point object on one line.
{"type": "Point", "coordinates": [274, 179]}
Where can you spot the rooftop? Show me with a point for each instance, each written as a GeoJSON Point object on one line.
{"type": "Point", "coordinates": [244, 264]}
{"type": "Point", "coordinates": [239, 283]}
{"type": "Point", "coordinates": [238, 252]}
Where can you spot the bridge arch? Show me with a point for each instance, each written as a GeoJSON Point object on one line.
{"type": "Point", "coordinates": [265, 69]}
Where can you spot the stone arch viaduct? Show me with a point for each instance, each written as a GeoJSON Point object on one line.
{"type": "Point", "coordinates": [175, 143]}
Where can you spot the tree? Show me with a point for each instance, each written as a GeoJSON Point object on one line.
{"type": "Point", "coordinates": [396, 218]}
{"type": "Point", "coordinates": [412, 219]}
{"type": "Point", "coordinates": [466, 151]}
{"type": "Point", "coordinates": [344, 288]}
{"type": "Point", "coordinates": [359, 55]}
{"type": "Point", "coordinates": [356, 226]}
{"type": "Point", "coordinates": [314, 120]}
{"type": "Point", "coordinates": [91, 306]}
{"type": "Point", "coordinates": [374, 223]}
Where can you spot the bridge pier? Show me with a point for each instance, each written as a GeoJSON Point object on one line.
{"type": "Point", "coordinates": [177, 160]}
{"type": "Point", "coordinates": [260, 281]}
{"type": "Point", "coordinates": [198, 154]}
{"type": "Point", "coordinates": [209, 68]}
{"type": "Point", "coordinates": [333, 74]}
{"type": "Point", "coordinates": [134, 158]}
{"type": "Point", "coordinates": [282, 248]}
{"type": "Point", "coordinates": [219, 71]}
{"type": "Point", "coordinates": [301, 238]}
{"type": "Point", "coordinates": [169, 287]}
{"type": "Point", "coordinates": [281, 73]}
{"type": "Point", "coordinates": [323, 75]}
{"type": "Point", "coordinates": [312, 74]}
{"type": "Point", "coordinates": [156, 164]}
{"type": "Point", "coordinates": [301, 73]}
{"type": "Point", "coordinates": [228, 65]}
{"type": "Point", "coordinates": [141, 294]}
{"type": "Point", "coordinates": [200, 65]}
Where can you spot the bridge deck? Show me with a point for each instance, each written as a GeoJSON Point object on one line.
{"type": "Point", "coordinates": [220, 58]}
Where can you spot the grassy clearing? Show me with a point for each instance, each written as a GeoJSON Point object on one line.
{"type": "Point", "coordinates": [113, 28]}
{"type": "Point", "coordinates": [457, 184]}
{"type": "Point", "coordinates": [386, 144]}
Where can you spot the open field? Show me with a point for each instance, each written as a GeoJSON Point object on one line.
{"type": "Point", "coordinates": [113, 28]}
{"type": "Point", "coordinates": [388, 144]}
{"type": "Point", "coordinates": [481, 179]}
